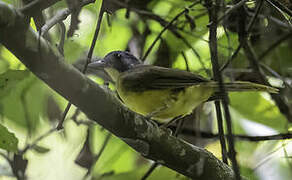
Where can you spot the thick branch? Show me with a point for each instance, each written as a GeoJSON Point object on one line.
{"type": "Point", "coordinates": [100, 106]}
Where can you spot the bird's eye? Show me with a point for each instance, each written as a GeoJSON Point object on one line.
{"type": "Point", "coordinates": [118, 55]}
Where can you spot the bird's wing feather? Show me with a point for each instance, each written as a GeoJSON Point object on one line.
{"type": "Point", "coordinates": [153, 77]}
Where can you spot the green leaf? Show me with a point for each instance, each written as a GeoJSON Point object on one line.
{"type": "Point", "coordinates": [10, 79]}
{"type": "Point", "coordinates": [8, 141]}
{"type": "Point", "coordinates": [120, 176]}
{"type": "Point", "coordinates": [29, 98]}
{"type": "Point", "coordinates": [255, 107]}
{"type": "Point", "coordinates": [41, 149]}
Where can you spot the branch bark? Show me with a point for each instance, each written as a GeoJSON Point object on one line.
{"type": "Point", "coordinates": [101, 106]}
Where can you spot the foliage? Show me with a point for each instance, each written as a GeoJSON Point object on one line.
{"type": "Point", "coordinates": [8, 141]}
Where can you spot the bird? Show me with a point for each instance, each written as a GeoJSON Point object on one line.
{"type": "Point", "coordinates": [160, 93]}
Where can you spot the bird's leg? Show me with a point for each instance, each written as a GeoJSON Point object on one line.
{"type": "Point", "coordinates": [158, 110]}
{"type": "Point", "coordinates": [155, 112]}
{"type": "Point", "coordinates": [166, 125]}
{"type": "Point", "coordinates": [179, 127]}
{"type": "Point", "coordinates": [171, 121]}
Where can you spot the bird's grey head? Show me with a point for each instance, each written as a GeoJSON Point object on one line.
{"type": "Point", "coordinates": [119, 60]}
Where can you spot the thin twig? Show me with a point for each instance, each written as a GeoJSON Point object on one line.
{"type": "Point", "coordinates": [107, 138]}
{"type": "Point", "coordinates": [280, 136]}
{"type": "Point", "coordinates": [60, 125]}
{"type": "Point", "coordinates": [210, 135]}
{"type": "Point", "coordinates": [231, 58]}
{"type": "Point", "coordinates": [186, 60]}
{"type": "Point", "coordinates": [274, 45]}
{"type": "Point", "coordinates": [281, 12]}
{"type": "Point", "coordinates": [34, 143]}
{"type": "Point", "coordinates": [217, 103]}
{"type": "Point", "coordinates": [286, 155]}
{"type": "Point", "coordinates": [213, 16]}
{"type": "Point", "coordinates": [195, 52]}
{"type": "Point", "coordinates": [89, 56]}
{"type": "Point", "coordinates": [179, 126]}
{"type": "Point", "coordinates": [150, 170]}
{"type": "Point", "coordinates": [221, 132]}
{"type": "Point", "coordinates": [254, 17]}
{"type": "Point", "coordinates": [249, 27]}
{"type": "Point", "coordinates": [275, 20]}
{"type": "Point", "coordinates": [280, 6]}
{"type": "Point", "coordinates": [75, 6]}
{"type": "Point", "coordinates": [79, 122]}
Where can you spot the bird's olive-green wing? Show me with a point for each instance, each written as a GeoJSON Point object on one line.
{"type": "Point", "coordinates": [144, 77]}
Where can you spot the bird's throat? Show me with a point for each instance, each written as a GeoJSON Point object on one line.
{"type": "Point", "coordinates": [113, 73]}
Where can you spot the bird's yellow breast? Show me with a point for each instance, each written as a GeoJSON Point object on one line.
{"type": "Point", "coordinates": [163, 105]}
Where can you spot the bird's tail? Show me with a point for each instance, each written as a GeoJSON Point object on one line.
{"type": "Point", "coordinates": [244, 86]}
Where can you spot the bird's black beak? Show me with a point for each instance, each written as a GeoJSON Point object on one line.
{"type": "Point", "coordinates": [97, 65]}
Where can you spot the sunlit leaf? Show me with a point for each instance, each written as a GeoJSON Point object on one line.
{"type": "Point", "coordinates": [10, 79]}
{"type": "Point", "coordinates": [11, 59]}
{"type": "Point", "coordinates": [28, 100]}
{"type": "Point", "coordinates": [8, 141]}
{"type": "Point", "coordinates": [248, 173]}
{"type": "Point", "coordinates": [40, 149]}
{"type": "Point", "coordinates": [253, 106]}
